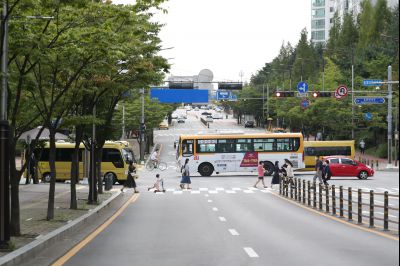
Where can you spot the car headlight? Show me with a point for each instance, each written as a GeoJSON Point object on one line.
{"type": "Point", "coordinates": [369, 167]}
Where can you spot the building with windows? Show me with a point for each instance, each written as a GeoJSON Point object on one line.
{"type": "Point", "coordinates": [322, 12]}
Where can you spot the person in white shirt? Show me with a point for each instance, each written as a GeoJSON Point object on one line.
{"type": "Point", "coordinates": [154, 157]}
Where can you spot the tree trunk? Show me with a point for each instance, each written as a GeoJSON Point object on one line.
{"type": "Point", "coordinates": [75, 167]}
{"type": "Point", "coordinates": [92, 197]}
{"type": "Point", "coordinates": [52, 188]}
{"type": "Point", "coordinates": [99, 154]}
{"type": "Point", "coordinates": [15, 177]}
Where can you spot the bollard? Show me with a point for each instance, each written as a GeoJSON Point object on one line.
{"type": "Point", "coordinates": [295, 189]}
{"type": "Point", "coordinates": [208, 125]}
{"type": "Point", "coordinates": [386, 212]}
{"type": "Point", "coordinates": [286, 188]}
{"type": "Point", "coordinates": [309, 193]}
{"type": "Point", "coordinates": [299, 189]}
{"type": "Point", "coordinates": [320, 196]}
{"type": "Point", "coordinates": [371, 209]}
{"type": "Point", "coordinates": [377, 165]}
{"type": "Point", "coordinates": [304, 191]}
{"type": "Point", "coordinates": [372, 164]}
{"type": "Point", "coordinates": [359, 206]}
{"type": "Point", "coordinates": [327, 197]}
{"type": "Point", "coordinates": [359, 159]}
{"type": "Point", "coordinates": [291, 189]}
{"type": "Point", "coordinates": [280, 186]}
{"type": "Point", "coordinates": [341, 209]}
{"type": "Point", "coordinates": [367, 161]}
{"type": "Point", "coordinates": [315, 196]}
{"type": "Point", "coordinates": [333, 200]}
{"type": "Point", "coordinates": [350, 199]}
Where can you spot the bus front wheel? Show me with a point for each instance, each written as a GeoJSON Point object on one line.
{"type": "Point", "coordinates": [206, 169]}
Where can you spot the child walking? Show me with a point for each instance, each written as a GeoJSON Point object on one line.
{"type": "Point", "coordinates": [158, 184]}
{"type": "Point", "coordinates": [261, 171]}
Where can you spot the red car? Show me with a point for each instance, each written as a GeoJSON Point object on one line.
{"type": "Point", "coordinates": [343, 166]}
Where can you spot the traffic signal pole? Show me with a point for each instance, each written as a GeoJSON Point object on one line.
{"type": "Point", "coordinates": [390, 117]}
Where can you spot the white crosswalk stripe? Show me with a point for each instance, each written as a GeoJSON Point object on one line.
{"type": "Point", "coordinates": [213, 191]}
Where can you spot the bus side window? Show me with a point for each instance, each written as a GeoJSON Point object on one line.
{"type": "Point", "coordinates": [187, 148]}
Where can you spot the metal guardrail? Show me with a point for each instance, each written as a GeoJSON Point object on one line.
{"type": "Point", "coordinates": [320, 196]}
{"type": "Point", "coordinates": [207, 124]}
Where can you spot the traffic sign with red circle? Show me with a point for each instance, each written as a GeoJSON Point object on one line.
{"type": "Point", "coordinates": [342, 90]}
{"type": "Point", "coordinates": [338, 96]}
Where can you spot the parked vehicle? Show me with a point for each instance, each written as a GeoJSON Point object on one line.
{"type": "Point", "coordinates": [174, 116]}
{"type": "Point", "coordinates": [249, 123]}
{"type": "Point", "coordinates": [181, 120]}
{"type": "Point", "coordinates": [345, 166]}
{"type": "Point", "coordinates": [206, 113]}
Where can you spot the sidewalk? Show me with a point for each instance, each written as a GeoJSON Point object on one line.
{"type": "Point", "coordinates": [33, 210]}
{"type": "Point", "coordinates": [372, 161]}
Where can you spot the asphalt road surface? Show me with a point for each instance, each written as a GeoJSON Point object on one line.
{"type": "Point", "coordinates": [223, 220]}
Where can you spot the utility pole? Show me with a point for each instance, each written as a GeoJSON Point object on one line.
{"type": "Point", "coordinates": [142, 129]}
{"type": "Point", "coordinates": [263, 106]}
{"type": "Point", "coordinates": [4, 135]}
{"type": "Point", "coordinates": [123, 122]}
{"type": "Point", "coordinates": [390, 116]}
{"type": "Point", "coordinates": [92, 177]}
{"type": "Point", "coordinates": [352, 96]}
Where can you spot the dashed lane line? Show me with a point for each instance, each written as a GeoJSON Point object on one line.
{"type": "Point", "coordinates": [250, 252]}
{"type": "Point", "coordinates": [233, 232]}
{"type": "Point", "coordinates": [222, 219]}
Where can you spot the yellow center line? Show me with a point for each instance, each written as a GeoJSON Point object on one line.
{"type": "Point", "coordinates": [338, 219]}
{"type": "Point", "coordinates": [94, 234]}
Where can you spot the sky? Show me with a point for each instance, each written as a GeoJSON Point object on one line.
{"type": "Point", "coordinates": [232, 38]}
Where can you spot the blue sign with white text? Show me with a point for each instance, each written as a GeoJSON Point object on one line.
{"type": "Point", "coordinates": [372, 82]}
{"type": "Point", "coordinates": [223, 95]}
{"type": "Point", "coordinates": [369, 100]}
{"type": "Point", "coordinates": [179, 95]}
{"type": "Point", "coordinates": [302, 87]}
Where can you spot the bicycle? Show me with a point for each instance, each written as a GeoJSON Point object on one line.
{"type": "Point", "coordinates": [160, 165]}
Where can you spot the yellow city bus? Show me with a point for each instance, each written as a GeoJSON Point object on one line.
{"type": "Point", "coordinates": [327, 148]}
{"type": "Point", "coordinates": [239, 152]}
{"type": "Point", "coordinates": [115, 158]}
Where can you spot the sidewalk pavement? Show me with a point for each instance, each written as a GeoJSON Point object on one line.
{"type": "Point", "coordinates": [372, 160]}
{"type": "Point", "coordinates": [33, 210]}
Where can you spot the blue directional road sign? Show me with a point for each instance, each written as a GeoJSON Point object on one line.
{"type": "Point", "coordinates": [368, 116]}
{"type": "Point", "coordinates": [305, 103]}
{"type": "Point", "coordinates": [372, 82]}
{"type": "Point", "coordinates": [224, 95]}
{"type": "Point", "coordinates": [302, 87]}
{"type": "Point", "coordinates": [369, 100]}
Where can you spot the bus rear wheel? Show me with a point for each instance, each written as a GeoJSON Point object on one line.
{"type": "Point", "coordinates": [206, 169]}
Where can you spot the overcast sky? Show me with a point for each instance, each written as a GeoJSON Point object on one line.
{"type": "Point", "coordinates": [229, 36]}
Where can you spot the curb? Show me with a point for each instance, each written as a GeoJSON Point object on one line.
{"type": "Point", "coordinates": [30, 250]}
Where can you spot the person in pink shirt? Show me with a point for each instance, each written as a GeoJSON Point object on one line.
{"type": "Point", "coordinates": [260, 170]}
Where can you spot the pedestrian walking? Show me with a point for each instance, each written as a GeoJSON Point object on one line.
{"type": "Point", "coordinates": [130, 178]}
{"type": "Point", "coordinates": [186, 176]}
{"type": "Point", "coordinates": [288, 169]}
{"type": "Point", "coordinates": [158, 185]}
{"type": "Point", "coordinates": [260, 171]}
{"type": "Point", "coordinates": [275, 178]}
{"type": "Point", "coordinates": [327, 174]}
{"type": "Point", "coordinates": [319, 167]}
{"type": "Point", "coordinates": [362, 146]}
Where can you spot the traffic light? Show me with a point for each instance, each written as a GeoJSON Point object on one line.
{"type": "Point", "coordinates": [281, 94]}
{"type": "Point", "coordinates": [317, 94]}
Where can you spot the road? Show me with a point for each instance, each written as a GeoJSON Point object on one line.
{"type": "Point", "coordinates": [223, 220]}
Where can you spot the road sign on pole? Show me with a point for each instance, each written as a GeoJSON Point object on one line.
{"type": "Point", "coordinates": [372, 82]}
{"type": "Point", "coordinates": [342, 90]}
{"type": "Point", "coordinates": [223, 95]}
{"type": "Point", "coordinates": [368, 116]}
{"type": "Point", "coordinates": [369, 100]}
{"type": "Point", "coordinates": [302, 87]}
{"type": "Point", "coordinates": [305, 103]}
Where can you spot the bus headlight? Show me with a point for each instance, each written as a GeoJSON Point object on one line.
{"type": "Point", "coordinates": [126, 172]}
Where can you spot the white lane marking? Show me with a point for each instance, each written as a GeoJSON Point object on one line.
{"type": "Point", "coordinates": [215, 209]}
{"type": "Point", "coordinates": [178, 192]}
{"type": "Point", "coordinates": [248, 191]}
{"type": "Point", "coordinates": [28, 219]}
{"type": "Point", "coordinates": [395, 188]}
{"type": "Point", "coordinates": [220, 189]}
{"type": "Point", "coordinates": [230, 192]}
{"type": "Point", "coordinates": [203, 189]}
{"type": "Point", "coordinates": [381, 213]}
{"type": "Point", "coordinates": [250, 252]}
{"type": "Point", "coordinates": [222, 219]}
{"type": "Point", "coordinates": [195, 192]}
{"type": "Point", "coordinates": [170, 189]}
{"type": "Point", "coordinates": [213, 192]}
{"type": "Point", "coordinates": [209, 201]}
{"type": "Point", "coordinates": [265, 191]}
{"type": "Point", "coordinates": [206, 195]}
{"type": "Point", "coordinates": [253, 188]}
{"type": "Point", "coordinates": [236, 189]}
{"type": "Point", "coordinates": [233, 232]}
